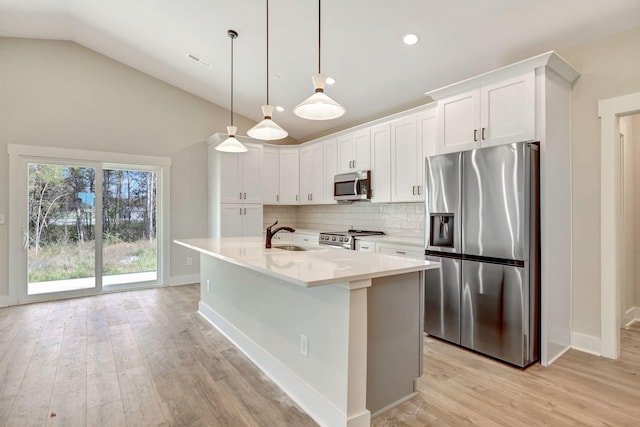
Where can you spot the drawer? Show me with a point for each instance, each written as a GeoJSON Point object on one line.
{"type": "Point", "coordinates": [407, 251]}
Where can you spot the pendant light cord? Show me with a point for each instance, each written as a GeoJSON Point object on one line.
{"type": "Point", "coordinates": [268, 52]}
{"type": "Point", "coordinates": [319, 22]}
{"type": "Point", "coordinates": [232, 37]}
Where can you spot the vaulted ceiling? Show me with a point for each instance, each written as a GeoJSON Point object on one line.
{"type": "Point", "coordinates": [375, 72]}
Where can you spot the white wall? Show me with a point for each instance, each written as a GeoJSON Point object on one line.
{"type": "Point", "coordinates": [60, 94]}
{"type": "Point", "coordinates": [610, 67]}
{"type": "Point", "coordinates": [393, 218]}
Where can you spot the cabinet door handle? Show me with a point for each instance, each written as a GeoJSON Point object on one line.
{"type": "Point", "coordinates": [419, 187]}
{"type": "Point", "coordinates": [413, 190]}
{"type": "Point", "coordinates": [364, 247]}
{"type": "Point", "coordinates": [296, 197]}
{"type": "Point", "coordinates": [311, 197]}
{"type": "Point", "coordinates": [483, 133]}
{"type": "Point", "coordinates": [277, 197]}
{"type": "Point", "coordinates": [245, 196]}
{"type": "Point", "coordinates": [401, 252]}
{"type": "Point", "coordinates": [354, 164]}
{"type": "Point", "coordinates": [240, 211]}
{"type": "Point", "coordinates": [241, 195]}
{"type": "Point", "coordinates": [475, 135]}
{"type": "Point", "coordinates": [245, 211]}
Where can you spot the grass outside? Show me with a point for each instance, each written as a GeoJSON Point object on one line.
{"type": "Point", "coordinates": [77, 260]}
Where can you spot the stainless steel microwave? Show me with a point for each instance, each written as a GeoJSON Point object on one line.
{"type": "Point", "coordinates": [352, 186]}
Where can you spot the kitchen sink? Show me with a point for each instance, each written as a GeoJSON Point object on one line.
{"type": "Point", "coordinates": [291, 248]}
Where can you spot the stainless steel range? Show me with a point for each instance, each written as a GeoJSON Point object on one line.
{"type": "Point", "coordinates": [345, 239]}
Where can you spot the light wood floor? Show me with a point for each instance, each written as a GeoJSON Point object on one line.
{"type": "Point", "coordinates": [146, 358]}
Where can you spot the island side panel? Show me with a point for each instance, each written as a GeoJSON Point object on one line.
{"type": "Point", "coordinates": [273, 314]}
{"type": "Point", "coordinates": [394, 340]}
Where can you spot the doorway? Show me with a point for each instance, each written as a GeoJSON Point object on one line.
{"type": "Point", "coordinates": [610, 111]}
{"type": "Point", "coordinates": [630, 221]}
{"type": "Point", "coordinates": [80, 226]}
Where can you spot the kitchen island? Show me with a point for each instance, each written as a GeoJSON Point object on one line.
{"type": "Point", "coordinates": [339, 331]}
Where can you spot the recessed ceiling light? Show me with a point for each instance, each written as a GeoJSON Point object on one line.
{"type": "Point", "coordinates": [330, 80]}
{"type": "Point", "coordinates": [279, 108]}
{"type": "Point", "coordinates": [410, 39]}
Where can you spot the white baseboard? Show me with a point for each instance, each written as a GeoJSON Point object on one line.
{"type": "Point", "coordinates": [313, 403]}
{"type": "Point", "coordinates": [187, 279]}
{"type": "Point", "coordinates": [586, 343]}
{"type": "Point", "coordinates": [557, 356]}
{"type": "Point", "coordinates": [631, 316]}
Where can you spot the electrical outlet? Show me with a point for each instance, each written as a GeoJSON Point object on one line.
{"type": "Point", "coordinates": [304, 345]}
{"type": "Point", "coordinates": [208, 286]}
{"type": "Point", "coordinates": [189, 260]}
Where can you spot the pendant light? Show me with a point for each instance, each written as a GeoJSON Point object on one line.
{"type": "Point", "coordinates": [319, 106]}
{"type": "Point", "coordinates": [231, 144]}
{"type": "Point", "coordinates": [267, 129]}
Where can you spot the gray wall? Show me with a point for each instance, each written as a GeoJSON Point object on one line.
{"type": "Point", "coordinates": [610, 67]}
{"type": "Point", "coordinates": [60, 94]}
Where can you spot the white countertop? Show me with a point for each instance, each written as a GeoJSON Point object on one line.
{"type": "Point", "coordinates": [315, 267]}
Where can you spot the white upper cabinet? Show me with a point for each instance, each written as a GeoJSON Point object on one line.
{"type": "Point", "coordinates": [381, 163]}
{"type": "Point", "coordinates": [240, 175]}
{"type": "Point", "coordinates": [458, 122]}
{"type": "Point", "coordinates": [312, 184]}
{"type": "Point", "coordinates": [492, 114]}
{"type": "Point", "coordinates": [427, 132]}
{"type": "Point", "coordinates": [289, 176]}
{"type": "Point", "coordinates": [354, 151]}
{"type": "Point", "coordinates": [270, 176]}
{"type": "Point", "coordinates": [507, 111]}
{"type": "Point", "coordinates": [330, 168]}
{"type": "Point", "coordinates": [406, 161]}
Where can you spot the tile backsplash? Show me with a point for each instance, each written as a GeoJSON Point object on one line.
{"type": "Point", "coordinates": [405, 219]}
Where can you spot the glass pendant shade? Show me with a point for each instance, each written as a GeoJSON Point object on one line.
{"type": "Point", "coordinates": [231, 144]}
{"type": "Point", "coordinates": [319, 106]}
{"type": "Point", "coordinates": [267, 129]}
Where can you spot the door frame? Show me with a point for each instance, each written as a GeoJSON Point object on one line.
{"type": "Point", "coordinates": [610, 110]}
{"type": "Point", "coordinates": [106, 159]}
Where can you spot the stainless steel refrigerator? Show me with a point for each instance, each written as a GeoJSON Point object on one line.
{"type": "Point", "coordinates": [482, 214]}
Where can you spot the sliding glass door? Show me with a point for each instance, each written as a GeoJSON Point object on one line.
{"type": "Point", "coordinates": [86, 227]}
{"type": "Point", "coordinates": [129, 244]}
{"type": "Point", "coordinates": [61, 236]}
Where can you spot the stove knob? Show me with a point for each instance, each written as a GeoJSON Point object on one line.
{"type": "Point", "coordinates": [333, 238]}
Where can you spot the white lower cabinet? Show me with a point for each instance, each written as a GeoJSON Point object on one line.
{"type": "Point", "coordinates": [240, 219]}
{"type": "Point", "coordinates": [308, 238]}
{"type": "Point", "coordinates": [365, 246]}
{"type": "Point", "coordinates": [401, 250]}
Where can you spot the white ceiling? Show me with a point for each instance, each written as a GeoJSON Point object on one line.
{"type": "Point", "coordinates": [361, 47]}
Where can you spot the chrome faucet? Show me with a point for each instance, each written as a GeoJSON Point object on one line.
{"type": "Point", "coordinates": [270, 233]}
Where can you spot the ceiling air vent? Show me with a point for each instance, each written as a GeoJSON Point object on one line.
{"type": "Point", "coordinates": [199, 60]}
